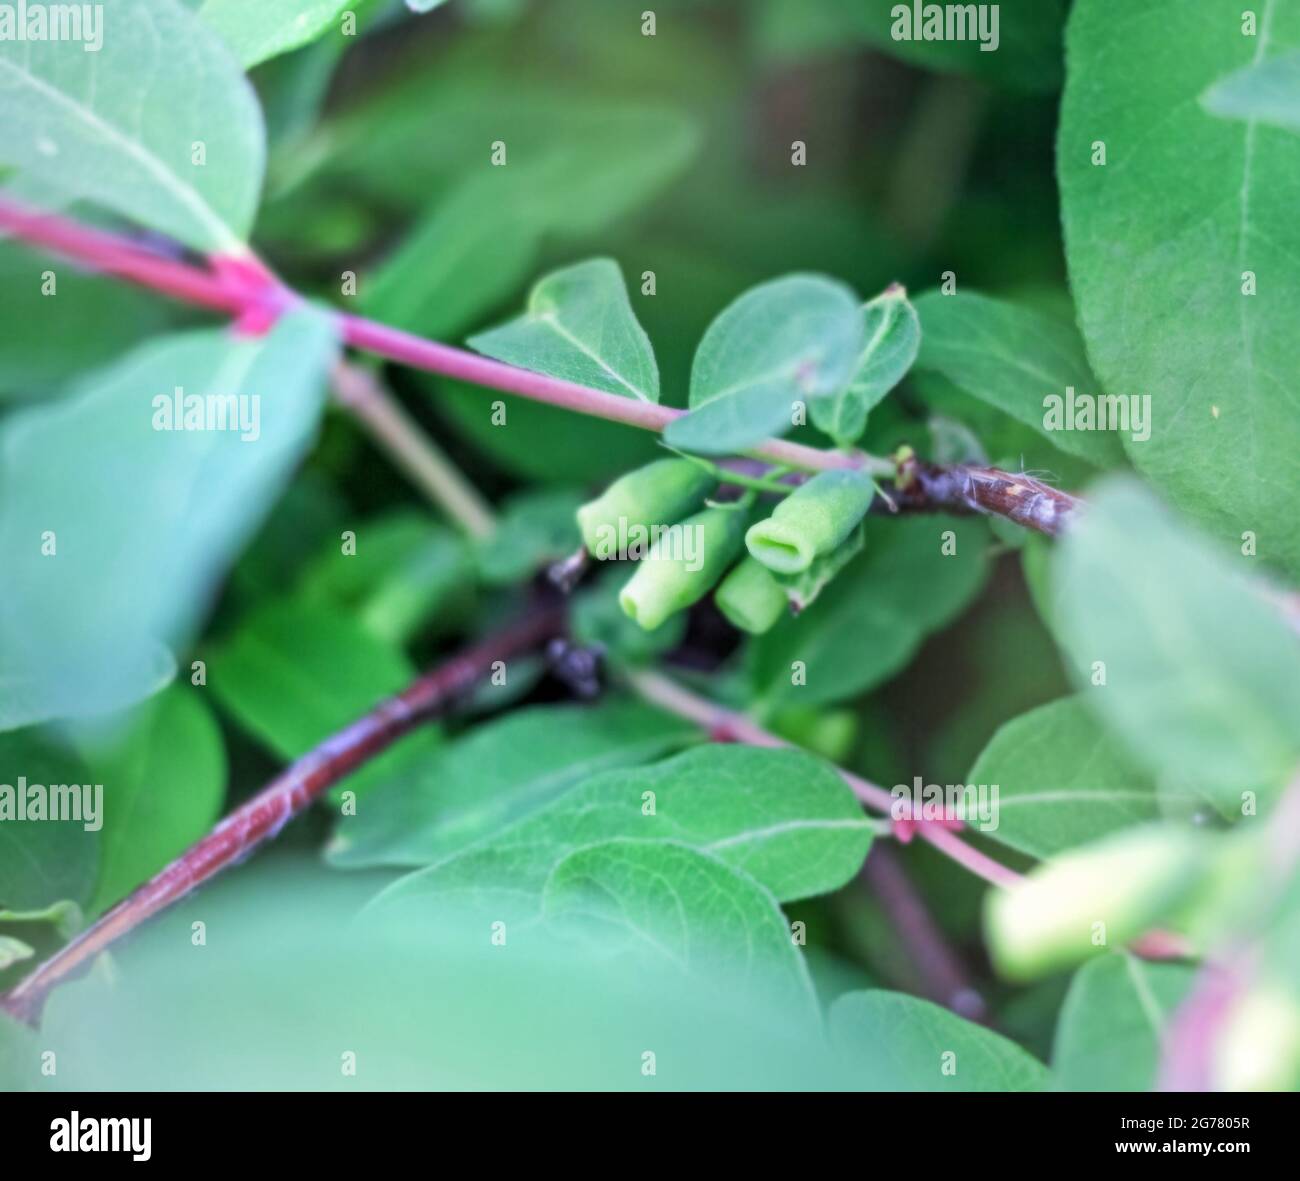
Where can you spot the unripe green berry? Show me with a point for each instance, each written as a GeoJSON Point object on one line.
{"type": "Point", "coordinates": [812, 521]}
{"type": "Point", "coordinates": [1091, 899]}
{"type": "Point", "coordinates": [683, 565]}
{"type": "Point", "coordinates": [751, 598]}
{"type": "Point", "coordinates": [652, 496]}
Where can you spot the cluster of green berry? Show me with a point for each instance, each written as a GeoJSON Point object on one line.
{"type": "Point", "coordinates": [695, 542]}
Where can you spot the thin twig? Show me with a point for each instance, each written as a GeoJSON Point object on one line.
{"type": "Point", "coordinates": [942, 975]}
{"type": "Point", "coordinates": [245, 289]}
{"type": "Point", "coordinates": [361, 391]}
{"type": "Point", "coordinates": [289, 794]}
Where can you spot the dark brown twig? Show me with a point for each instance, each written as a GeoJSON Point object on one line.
{"type": "Point", "coordinates": [288, 795]}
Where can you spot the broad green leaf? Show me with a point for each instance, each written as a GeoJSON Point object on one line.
{"type": "Point", "coordinates": [785, 342]}
{"type": "Point", "coordinates": [42, 860]}
{"type": "Point", "coordinates": [157, 123]}
{"type": "Point", "coordinates": [1267, 91]}
{"type": "Point", "coordinates": [164, 783]}
{"type": "Point", "coordinates": [402, 569]}
{"type": "Point", "coordinates": [47, 338]}
{"type": "Point", "coordinates": [541, 442]}
{"type": "Point", "coordinates": [894, 1042]}
{"type": "Point", "coordinates": [117, 533]}
{"type": "Point", "coordinates": [579, 326]}
{"type": "Point", "coordinates": [470, 251]}
{"type": "Point", "coordinates": [257, 30]}
{"type": "Point", "coordinates": [1016, 359]}
{"type": "Point", "coordinates": [296, 672]}
{"type": "Point", "coordinates": [1159, 242]}
{"type": "Point", "coordinates": [701, 915]}
{"type": "Point", "coordinates": [1028, 37]}
{"type": "Point", "coordinates": [597, 157]}
{"type": "Point", "coordinates": [868, 623]}
{"type": "Point", "coordinates": [1062, 780]}
{"type": "Point", "coordinates": [893, 335]}
{"type": "Point", "coordinates": [1111, 1025]}
{"type": "Point", "coordinates": [1202, 675]}
{"type": "Point", "coordinates": [295, 974]}
{"type": "Point", "coordinates": [496, 776]}
{"type": "Point", "coordinates": [780, 816]}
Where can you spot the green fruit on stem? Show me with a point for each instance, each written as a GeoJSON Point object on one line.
{"type": "Point", "coordinates": [751, 598]}
{"type": "Point", "coordinates": [632, 508]}
{"type": "Point", "coordinates": [1092, 899]}
{"type": "Point", "coordinates": [812, 521]}
{"type": "Point", "coordinates": [683, 565]}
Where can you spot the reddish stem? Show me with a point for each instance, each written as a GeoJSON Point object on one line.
{"type": "Point", "coordinates": [288, 795]}
{"type": "Point", "coordinates": [247, 291]}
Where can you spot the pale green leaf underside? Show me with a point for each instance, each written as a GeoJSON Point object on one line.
{"type": "Point", "coordinates": [1013, 358]}
{"type": "Point", "coordinates": [687, 908]}
{"type": "Point", "coordinates": [893, 1042]}
{"type": "Point", "coordinates": [1268, 91]}
{"type": "Point", "coordinates": [892, 338]}
{"type": "Point", "coordinates": [580, 326]}
{"type": "Point", "coordinates": [1062, 780]}
{"type": "Point", "coordinates": [1158, 243]}
{"type": "Point", "coordinates": [143, 522]}
{"type": "Point", "coordinates": [1109, 1032]}
{"type": "Point", "coordinates": [1202, 675]}
{"type": "Point", "coordinates": [125, 126]}
{"type": "Point", "coordinates": [257, 30]}
{"type": "Point", "coordinates": [782, 343]}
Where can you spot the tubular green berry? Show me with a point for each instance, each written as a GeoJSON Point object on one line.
{"type": "Point", "coordinates": [683, 565]}
{"type": "Point", "coordinates": [751, 598]}
{"type": "Point", "coordinates": [632, 508]}
{"type": "Point", "coordinates": [811, 521]}
{"type": "Point", "coordinates": [1091, 899]}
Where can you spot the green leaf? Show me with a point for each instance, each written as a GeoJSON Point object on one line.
{"type": "Point", "coordinates": [1202, 676]}
{"type": "Point", "coordinates": [1013, 358]}
{"type": "Point", "coordinates": [868, 623]}
{"type": "Point", "coordinates": [1062, 780]}
{"type": "Point", "coordinates": [46, 339]}
{"type": "Point", "coordinates": [783, 342]}
{"type": "Point", "coordinates": [780, 816]}
{"type": "Point", "coordinates": [688, 906]}
{"type": "Point", "coordinates": [164, 783]}
{"type": "Point", "coordinates": [1110, 1029]}
{"type": "Point", "coordinates": [894, 1042]}
{"type": "Point", "coordinates": [403, 571]}
{"type": "Point", "coordinates": [471, 250]}
{"type": "Point", "coordinates": [46, 861]}
{"type": "Point", "coordinates": [893, 336]}
{"type": "Point", "coordinates": [296, 672]}
{"type": "Point", "coordinates": [1158, 243]}
{"type": "Point", "coordinates": [496, 776]}
{"type": "Point", "coordinates": [535, 527]}
{"type": "Point", "coordinates": [260, 29]}
{"type": "Point", "coordinates": [1267, 91]}
{"type": "Point", "coordinates": [580, 326]}
{"type": "Point", "coordinates": [117, 533]}
{"type": "Point", "coordinates": [123, 127]}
